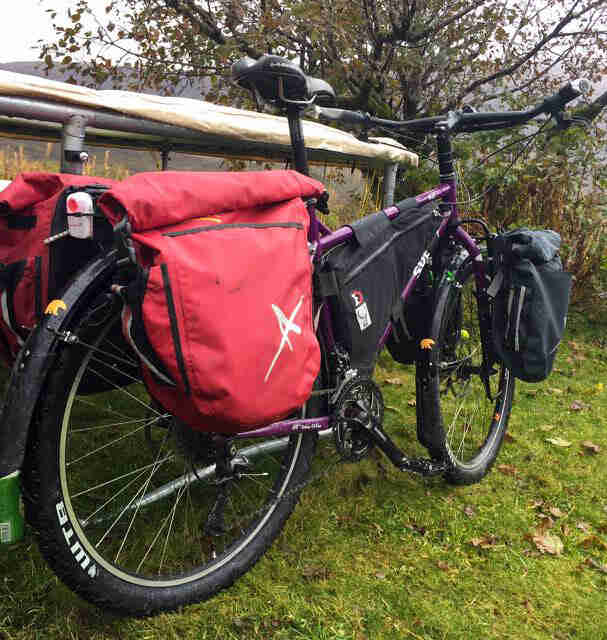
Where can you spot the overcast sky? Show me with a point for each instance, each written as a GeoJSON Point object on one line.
{"type": "Point", "coordinates": [25, 21]}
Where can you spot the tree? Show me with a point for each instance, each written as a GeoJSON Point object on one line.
{"type": "Point", "coordinates": [399, 58]}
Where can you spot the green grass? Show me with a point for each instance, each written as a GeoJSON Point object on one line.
{"type": "Point", "coordinates": [373, 553]}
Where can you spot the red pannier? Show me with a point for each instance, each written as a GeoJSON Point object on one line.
{"type": "Point", "coordinates": [221, 311]}
{"type": "Point", "coordinates": [32, 272]}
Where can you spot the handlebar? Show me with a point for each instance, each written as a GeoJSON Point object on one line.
{"type": "Point", "coordinates": [458, 122]}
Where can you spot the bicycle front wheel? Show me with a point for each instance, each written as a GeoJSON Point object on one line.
{"type": "Point", "coordinates": [466, 398]}
{"type": "Point", "coordinates": [124, 498]}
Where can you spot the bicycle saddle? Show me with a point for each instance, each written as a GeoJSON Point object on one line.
{"type": "Point", "coordinates": [277, 80]}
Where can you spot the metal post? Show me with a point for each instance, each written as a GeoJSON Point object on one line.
{"type": "Point", "coordinates": [73, 155]}
{"type": "Point", "coordinates": [164, 154]}
{"type": "Point", "coordinates": [389, 184]}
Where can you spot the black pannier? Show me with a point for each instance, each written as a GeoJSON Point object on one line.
{"type": "Point", "coordinates": [367, 276]}
{"type": "Point", "coordinates": [531, 298]}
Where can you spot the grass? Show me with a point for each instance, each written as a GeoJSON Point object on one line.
{"type": "Point", "coordinates": [372, 553]}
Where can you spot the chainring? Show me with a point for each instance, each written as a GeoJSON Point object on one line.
{"type": "Point", "coordinates": [359, 404]}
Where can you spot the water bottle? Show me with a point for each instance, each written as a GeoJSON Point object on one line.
{"type": "Point", "coordinates": [11, 514]}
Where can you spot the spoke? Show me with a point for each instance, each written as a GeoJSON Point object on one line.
{"type": "Point", "coordinates": [123, 390]}
{"type": "Point", "coordinates": [166, 540]}
{"type": "Point", "coordinates": [113, 368]}
{"type": "Point", "coordinates": [100, 407]}
{"type": "Point", "coordinates": [126, 508]}
{"type": "Point", "coordinates": [120, 351]}
{"type": "Point", "coordinates": [122, 477]}
{"type": "Point", "coordinates": [108, 354]}
{"type": "Point", "coordinates": [141, 491]}
{"type": "Point", "coordinates": [110, 499]}
{"type": "Point", "coordinates": [111, 443]}
{"type": "Point", "coordinates": [455, 417]}
{"type": "Point", "coordinates": [111, 424]}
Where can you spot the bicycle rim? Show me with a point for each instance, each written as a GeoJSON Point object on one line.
{"type": "Point", "coordinates": [139, 488]}
{"type": "Point", "coordinates": [474, 397]}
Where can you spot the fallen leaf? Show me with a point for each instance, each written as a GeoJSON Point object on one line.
{"type": "Point", "coordinates": [583, 526]}
{"type": "Point", "coordinates": [486, 542]}
{"type": "Point", "coordinates": [556, 512]}
{"type": "Point", "coordinates": [549, 543]}
{"type": "Point", "coordinates": [590, 447]}
{"type": "Point", "coordinates": [558, 442]}
{"type": "Point", "coordinates": [591, 562]}
{"type": "Point", "coordinates": [545, 523]}
{"type": "Point", "coordinates": [443, 566]}
{"type": "Point", "coordinates": [395, 381]}
{"type": "Point", "coordinates": [578, 406]}
{"type": "Point", "coordinates": [547, 427]}
{"type": "Point", "coordinates": [508, 469]}
{"type": "Point", "coordinates": [411, 403]}
{"type": "Point", "coordinates": [380, 576]}
{"type": "Point", "coordinates": [470, 511]}
{"type": "Point", "coordinates": [593, 542]}
{"type": "Point", "coordinates": [537, 503]}
{"type": "Point", "coordinates": [315, 573]}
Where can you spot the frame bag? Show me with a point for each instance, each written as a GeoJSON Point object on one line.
{"type": "Point", "coordinates": [531, 298]}
{"type": "Point", "coordinates": [367, 275]}
{"type": "Point", "coordinates": [220, 313]}
{"type": "Point", "coordinates": [32, 269]}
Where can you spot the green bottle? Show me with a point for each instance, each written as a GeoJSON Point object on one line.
{"type": "Point", "coordinates": [11, 515]}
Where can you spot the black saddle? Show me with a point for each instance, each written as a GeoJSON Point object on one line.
{"type": "Point", "coordinates": [279, 81]}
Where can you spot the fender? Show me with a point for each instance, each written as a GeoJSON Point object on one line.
{"type": "Point", "coordinates": [36, 357]}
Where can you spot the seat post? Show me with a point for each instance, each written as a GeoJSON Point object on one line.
{"type": "Point", "coordinates": [300, 158]}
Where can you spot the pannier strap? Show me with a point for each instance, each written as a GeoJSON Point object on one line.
{"type": "Point", "coordinates": [168, 292]}
{"type": "Point", "coordinates": [15, 222]}
{"type": "Point", "coordinates": [397, 318]}
{"type": "Point", "coordinates": [326, 284]}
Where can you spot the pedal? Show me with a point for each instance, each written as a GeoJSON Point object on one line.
{"type": "Point", "coordinates": [423, 466]}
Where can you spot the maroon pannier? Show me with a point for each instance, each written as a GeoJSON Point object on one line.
{"type": "Point", "coordinates": [221, 311]}
{"type": "Point", "coordinates": [32, 271]}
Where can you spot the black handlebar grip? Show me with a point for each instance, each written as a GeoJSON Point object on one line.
{"type": "Point", "coordinates": [574, 89]}
{"type": "Point", "coordinates": [343, 115]}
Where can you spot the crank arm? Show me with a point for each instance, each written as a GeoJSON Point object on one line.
{"type": "Point", "coordinates": [400, 460]}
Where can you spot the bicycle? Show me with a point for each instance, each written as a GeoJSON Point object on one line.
{"type": "Point", "coordinates": [139, 514]}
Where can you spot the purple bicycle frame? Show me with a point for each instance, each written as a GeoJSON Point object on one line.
{"type": "Point", "coordinates": [322, 238]}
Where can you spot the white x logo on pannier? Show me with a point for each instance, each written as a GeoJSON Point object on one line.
{"type": "Point", "coordinates": [285, 325]}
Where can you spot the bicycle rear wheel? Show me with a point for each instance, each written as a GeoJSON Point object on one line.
{"type": "Point", "coordinates": [466, 399]}
{"type": "Point", "coordinates": [124, 498]}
